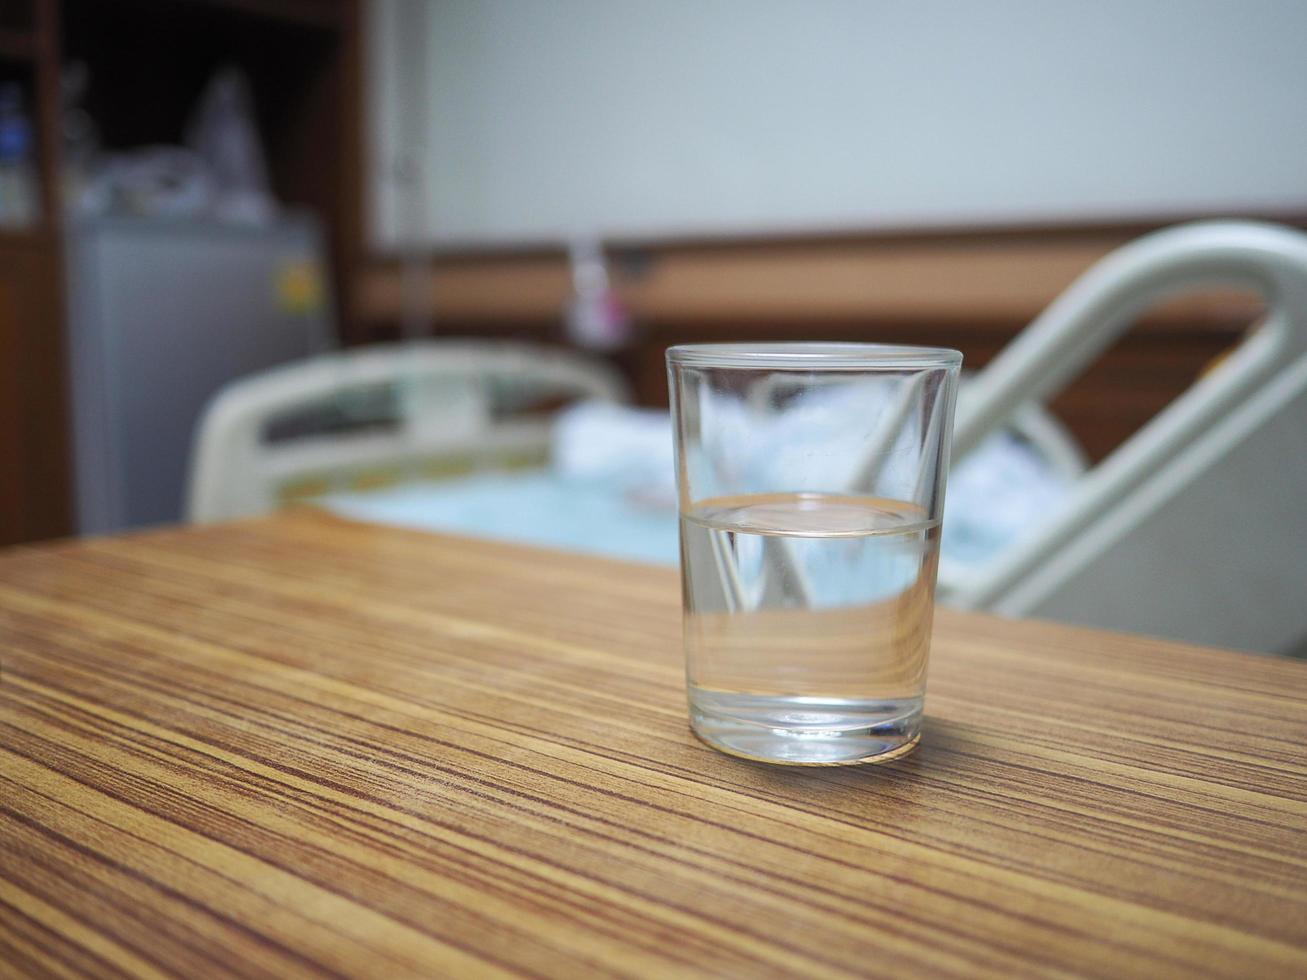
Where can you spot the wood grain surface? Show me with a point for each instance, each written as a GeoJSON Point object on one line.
{"type": "Point", "coordinates": [301, 746]}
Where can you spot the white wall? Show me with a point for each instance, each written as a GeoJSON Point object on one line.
{"type": "Point", "coordinates": [550, 117]}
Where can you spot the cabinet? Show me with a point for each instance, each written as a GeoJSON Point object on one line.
{"type": "Point", "coordinates": [148, 61]}
{"type": "Point", "coordinates": [34, 471]}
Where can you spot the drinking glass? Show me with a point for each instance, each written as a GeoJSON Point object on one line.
{"type": "Point", "coordinates": [811, 488]}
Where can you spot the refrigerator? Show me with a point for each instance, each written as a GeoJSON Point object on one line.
{"type": "Point", "coordinates": [161, 315]}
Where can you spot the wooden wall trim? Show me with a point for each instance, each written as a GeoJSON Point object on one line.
{"type": "Point", "coordinates": [958, 279]}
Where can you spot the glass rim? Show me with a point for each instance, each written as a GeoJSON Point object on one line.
{"type": "Point", "coordinates": [813, 355]}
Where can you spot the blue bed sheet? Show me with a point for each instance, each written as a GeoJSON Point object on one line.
{"type": "Point", "coordinates": [540, 508]}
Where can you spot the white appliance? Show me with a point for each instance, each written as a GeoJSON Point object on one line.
{"type": "Point", "coordinates": [161, 315]}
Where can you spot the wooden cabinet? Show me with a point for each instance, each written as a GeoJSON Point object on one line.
{"type": "Point", "coordinates": [35, 500]}
{"type": "Point", "coordinates": [148, 61]}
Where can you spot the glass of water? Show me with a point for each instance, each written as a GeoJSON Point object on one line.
{"type": "Point", "coordinates": [811, 486]}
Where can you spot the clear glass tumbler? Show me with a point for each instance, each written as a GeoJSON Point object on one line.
{"type": "Point", "coordinates": [811, 481]}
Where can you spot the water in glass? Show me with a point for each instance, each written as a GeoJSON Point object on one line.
{"type": "Point", "coordinates": [807, 624]}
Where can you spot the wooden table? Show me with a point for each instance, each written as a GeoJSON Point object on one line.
{"type": "Point", "coordinates": [305, 746]}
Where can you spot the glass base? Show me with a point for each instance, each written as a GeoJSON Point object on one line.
{"type": "Point", "coordinates": [803, 731]}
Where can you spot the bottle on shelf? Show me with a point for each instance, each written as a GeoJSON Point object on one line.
{"type": "Point", "coordinates": [19, 203]}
